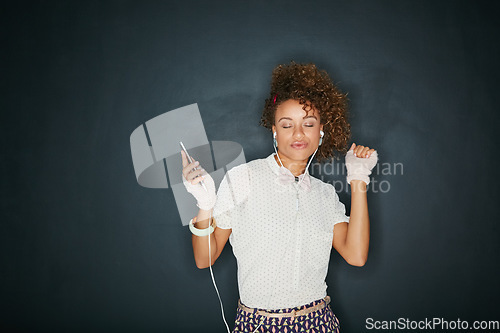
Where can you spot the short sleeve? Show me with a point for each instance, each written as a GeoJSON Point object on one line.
{"type": "Point", "coordinates": [231, 196]}
{"type": "Point", "coordinates": [334, 207]}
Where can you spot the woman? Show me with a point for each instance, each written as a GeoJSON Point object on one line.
{"type": "Point", "coordinates": [281, 222]}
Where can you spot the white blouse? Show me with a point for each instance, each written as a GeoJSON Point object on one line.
{"type": "Point", "coordinates": [281, 235]}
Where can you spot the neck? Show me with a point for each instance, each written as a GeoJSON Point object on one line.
{"type": "Point", "coordinates": [296, 167]}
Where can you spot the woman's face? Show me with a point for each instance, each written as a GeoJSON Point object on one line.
{"type": "Point", "coordinates": [297, 131]}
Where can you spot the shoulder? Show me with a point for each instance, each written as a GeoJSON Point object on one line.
{"type": "Point", "coordinates": [237, 180]}
{"type": "Point", "coordinates": [245, 169]}
{"type": "Point", "coordinates": [240, 175]}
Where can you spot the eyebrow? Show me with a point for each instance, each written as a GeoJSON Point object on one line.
{"type": "Point", "coordinates": [288, 118]}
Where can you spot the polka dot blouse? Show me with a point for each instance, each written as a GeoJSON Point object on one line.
{"type": "Point", "coordinates": [281, 234]}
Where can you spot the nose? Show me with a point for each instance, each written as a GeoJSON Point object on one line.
{"type": "Point", "coordinates": [298, 133]}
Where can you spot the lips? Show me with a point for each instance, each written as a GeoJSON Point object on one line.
{"type": "Point", "coordinates": [299, 145]}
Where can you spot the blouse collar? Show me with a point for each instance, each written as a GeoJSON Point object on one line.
{"type": "Point", "coordinates": [274, 165]}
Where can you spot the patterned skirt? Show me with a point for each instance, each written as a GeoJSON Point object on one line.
{"type": "Point", "coordinates": [322, 320]}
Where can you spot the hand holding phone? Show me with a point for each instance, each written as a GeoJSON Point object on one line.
{"type": "Point", "coordinates": [192, 175]}
{"type": "Point", "coordinates": [191, 161]}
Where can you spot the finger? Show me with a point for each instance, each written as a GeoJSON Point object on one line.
{"type": "Point", "coordinates": [189, 174]}
{"type": "Point", "coordinates": [364, 152]}
{"type": "Point", "coordinates": [194, 173]}
{"type": "Point", "coordinates": [200, 175]}
{"type": "Point", "coordinates": [361, 151]}
{"type": "Point", "coordinates": [358, 150]}
{"type": "Point", "coordinates": [187, 169]}
{"type": "Point", "coordinates": [197, 180]}
{"type": "Point", "coordinates": [370, 152]}
{"type": "Point", "coordinates": [352, 146]}
{"type": "Point", "coordinates": [184, 159]}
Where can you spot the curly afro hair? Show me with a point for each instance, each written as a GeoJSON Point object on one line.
{"type": "Point", "coordinates": [314, 89]}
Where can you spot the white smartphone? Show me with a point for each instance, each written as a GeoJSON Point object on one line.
{"type": "Point", "coordinates": [191, 161]}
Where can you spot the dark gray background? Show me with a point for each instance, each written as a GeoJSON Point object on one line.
{"type": "Point", "coordinates": [85, 248]}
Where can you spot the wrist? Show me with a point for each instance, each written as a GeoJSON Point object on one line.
{"type": "Point", "coordinates": [206, 205]}
{"type": "Point", "coordinates": [360, 176]}
{"type": "Point", "coordinates": [201, 224]}
{"type": "Point", "coordinates": [202, 230]}
{"type": "Point", "coordinates": [358, 185]}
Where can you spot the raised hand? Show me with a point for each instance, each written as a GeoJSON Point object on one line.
{"type": "Point", "coordinates": [192, 175]}
{"type": "Point", "coordinates": [359, 162]}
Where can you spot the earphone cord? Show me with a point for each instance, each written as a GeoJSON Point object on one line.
{"type": "Point", "coordinates": [275, 275]}
{"type": "Point", "coordinates": [213, 279]}
{"type": "Point", "coordinates": [307, 167]}
{"type": "Point", "coordinates": [289, 237]}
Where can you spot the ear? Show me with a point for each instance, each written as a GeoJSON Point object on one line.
{"type": "Point", "coordinates": [321, 127]}
{"type": "Point", "coordinates": [273, 128]}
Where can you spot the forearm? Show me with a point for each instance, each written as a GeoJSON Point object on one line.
{"type": "Point", "coordinates": [358, 232]}
{"type": "Point", "coordinates": [200, 243]}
